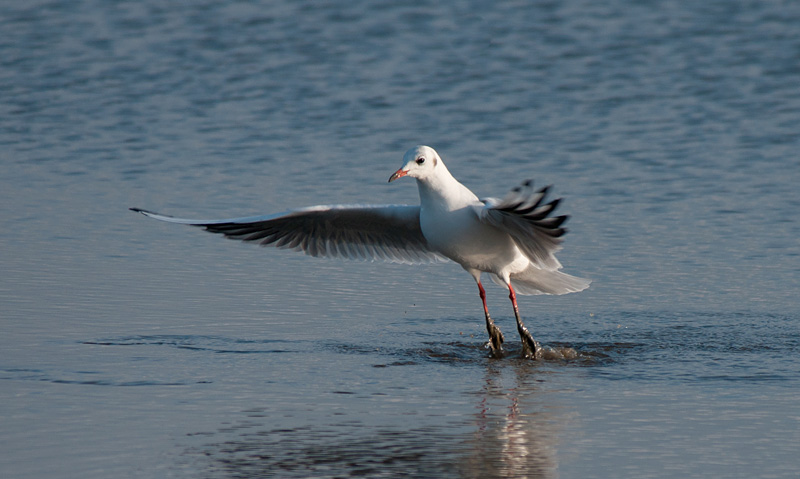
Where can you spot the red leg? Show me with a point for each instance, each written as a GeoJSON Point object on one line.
{"type": "Point", "coordinates": [513, 297]}
{"type": "Point", "coordinates": [483, 298]}
{"type": "Point", "coordinates": [495, 336]}
{"type": "Point", "coordinates": [530, 348]}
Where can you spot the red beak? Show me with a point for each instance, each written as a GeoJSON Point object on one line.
{"type": "Point", "coordinates": [398, 174]}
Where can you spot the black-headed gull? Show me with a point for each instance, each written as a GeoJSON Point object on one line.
{"type": "Point", "coordinates": [513, 239]}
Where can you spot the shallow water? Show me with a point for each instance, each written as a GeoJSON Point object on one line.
{"type": "Point", "coordinates": [142, 349]}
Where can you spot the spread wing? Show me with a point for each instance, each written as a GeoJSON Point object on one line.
{"type": "Point", "coordinates": [387, 233]}
{"type": "Point", "coordinates": [525, 215]}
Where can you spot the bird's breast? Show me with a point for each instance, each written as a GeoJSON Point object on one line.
{"type": "Point", "coordinates": [461, 236]}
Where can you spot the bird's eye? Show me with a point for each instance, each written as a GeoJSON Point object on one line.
{"type": "Point", "coordinates": [420, 160]}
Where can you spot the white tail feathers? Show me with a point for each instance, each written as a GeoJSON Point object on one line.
{"type": "Point", "coordinates": [540, 281]}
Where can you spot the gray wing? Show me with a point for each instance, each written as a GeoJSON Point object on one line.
{"type": "Point", "coordinates": [524, 214]}
{"type": "Point", "coordinates": [387, 233]}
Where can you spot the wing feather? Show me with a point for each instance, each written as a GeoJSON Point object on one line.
{"type": "Point", "coordinates": [387, 233]}
{"type": "Point", "coordinates": [525, 215]}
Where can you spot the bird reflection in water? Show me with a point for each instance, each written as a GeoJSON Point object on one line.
{"type": "Point", "coordinates": [514, 430]}
{"type": "Point", "coordinates": [518, 429]}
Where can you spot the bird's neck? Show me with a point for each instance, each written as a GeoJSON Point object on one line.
{"type": "Point", "coordinates": [444, 191]}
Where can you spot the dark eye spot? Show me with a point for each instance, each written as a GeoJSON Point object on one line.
{"type": "Point", "coordinates": [420, 160]}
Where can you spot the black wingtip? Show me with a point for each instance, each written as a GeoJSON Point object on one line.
{"type": "Point", "coordinates": [145, 212]}
{"type": "Point", "coordinates": [142, 211]}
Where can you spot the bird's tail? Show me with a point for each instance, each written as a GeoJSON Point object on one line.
{"type": "Point", "coordinates": [538, 281]}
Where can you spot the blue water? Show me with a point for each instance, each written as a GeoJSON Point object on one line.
{"type": "Point", "coordinates": [132, 348]}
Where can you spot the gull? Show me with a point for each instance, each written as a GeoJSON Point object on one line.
{"type": "Point", "coordinates": [513, 239]}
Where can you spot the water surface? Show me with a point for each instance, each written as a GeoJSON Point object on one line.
{"type": "Point", "coordinates": [140, 349]}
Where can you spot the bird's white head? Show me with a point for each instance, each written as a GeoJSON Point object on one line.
{"type": "Point", "coordinates": [419, 162]}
